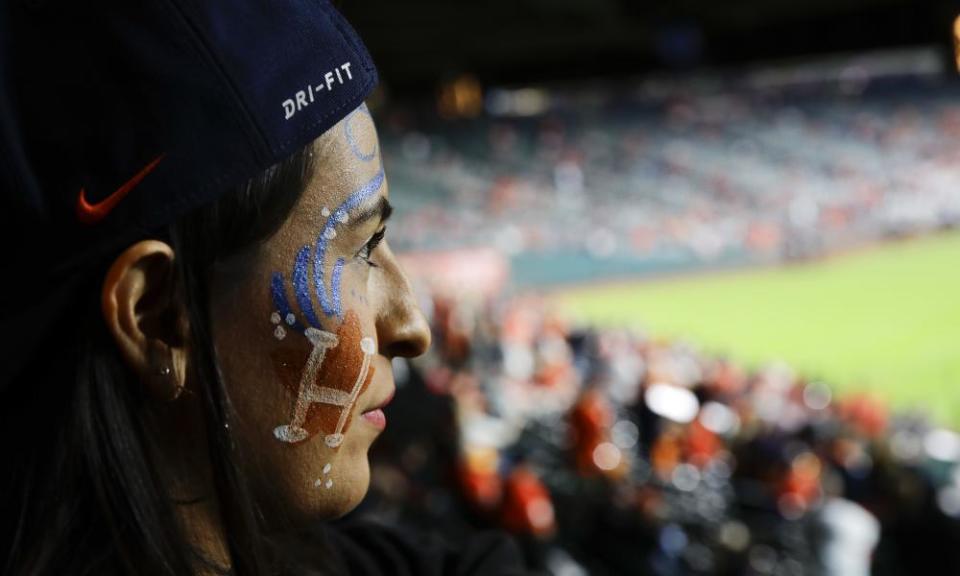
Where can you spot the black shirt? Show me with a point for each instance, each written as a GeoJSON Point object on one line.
{"type": "Point", "coordinates": [366, 548]}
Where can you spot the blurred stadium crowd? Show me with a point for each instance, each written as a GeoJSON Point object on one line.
{"type": "Point", "coordinates": [679, 171]}
{"type": "Point", "coordinates": [608, 452]}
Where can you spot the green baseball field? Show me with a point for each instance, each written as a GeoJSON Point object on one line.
{"type": "Point", "coordinates": [885, 320]}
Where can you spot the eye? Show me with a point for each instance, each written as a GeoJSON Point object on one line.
{"type": "Point", "coordinates": [367, 251]}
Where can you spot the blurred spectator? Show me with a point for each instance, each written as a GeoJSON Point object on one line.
{"type": "Point", "coordinates": [736, 175]}
{"type": "Point", "coordinates": [611, 453]}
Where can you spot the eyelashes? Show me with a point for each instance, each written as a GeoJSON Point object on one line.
{"type": "Point", "coordinates": [368, 249]}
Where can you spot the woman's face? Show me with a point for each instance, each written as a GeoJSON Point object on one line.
{"type": "Point", "coordinates": [305, 326]}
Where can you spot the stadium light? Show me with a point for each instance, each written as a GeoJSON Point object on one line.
{"type": "Point", "coordinates": [956, 42]}
{"type": "Point", "coordinates": [460, 98]}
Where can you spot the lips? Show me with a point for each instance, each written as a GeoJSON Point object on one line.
{"type": "Point", "coordinates": [375, 415]}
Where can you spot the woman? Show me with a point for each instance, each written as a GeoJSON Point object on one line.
{"type": "Point", "coordinates": [205, 307]}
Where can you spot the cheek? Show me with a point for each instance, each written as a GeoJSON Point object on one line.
{"type": "Point", "coordinates": [324, 379]}
{"type": "Point", "coordinates": [296, 391]}
{"type": "Point", "coordinates": [356, 291]}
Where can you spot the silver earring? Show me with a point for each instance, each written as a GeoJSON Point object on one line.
{"type": "Point", "coordinates": [165, 372]}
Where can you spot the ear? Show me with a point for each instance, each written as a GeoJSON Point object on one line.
{"type": "Point", "coordinates": [146, 318]}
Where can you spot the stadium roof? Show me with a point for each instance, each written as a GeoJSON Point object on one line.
{"type": "Point", "coordinates": [420, 42]}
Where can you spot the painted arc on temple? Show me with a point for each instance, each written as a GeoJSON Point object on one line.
{"type": "Point", "coordinates": [330, 300]}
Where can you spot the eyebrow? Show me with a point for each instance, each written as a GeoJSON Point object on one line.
{"type": "Point", "coordinates": [382, 209]}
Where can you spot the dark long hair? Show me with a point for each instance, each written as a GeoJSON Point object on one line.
{"type": "Point", "coordinates": [79, 495]}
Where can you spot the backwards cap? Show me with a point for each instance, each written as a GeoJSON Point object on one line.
{"type": "Point", "coordinates": [120, 115]}
{"type": "Point", "coordinates": [213, 91]}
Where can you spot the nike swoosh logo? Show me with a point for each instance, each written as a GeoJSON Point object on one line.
{"type": "Point", "coordinates": [92, 213]}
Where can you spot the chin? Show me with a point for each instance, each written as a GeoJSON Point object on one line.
{"type": "Point", "coordinates": [297, 495]}
{"type": "Point", "coordinates": [351, 480]}
{"type": "Point", "coordinates": [350, 495]}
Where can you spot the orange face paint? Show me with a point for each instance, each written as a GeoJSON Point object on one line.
{"type": "Point", "coordinates": [325, 380]}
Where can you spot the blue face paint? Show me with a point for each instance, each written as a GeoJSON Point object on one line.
{"type": "Point", "coordinates": [336, 283]}
{"type": "Point", "coordinates": [280, 302]}
{"type": "Point", "coordinates": [319, 263]}
{"type": "Point", "coordinates": [352, 140]}
{"type": "Point", "coordinates": [330, 300]}
{"type": "Point", "coordinates": [301, 286]}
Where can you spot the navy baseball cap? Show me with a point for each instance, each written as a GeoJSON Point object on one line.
{"type": "Point", "coordinates": [117, 116]}
{"type": "Point", "coordinates": [186, 97]}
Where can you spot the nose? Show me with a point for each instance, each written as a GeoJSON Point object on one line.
{"type": "Point", "coordinates": [402, 329]}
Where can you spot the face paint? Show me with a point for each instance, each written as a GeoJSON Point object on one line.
{"type": "Point", "coordinates": [330, 301]}
{"type": "Point", "coordinates": [324, 403]}
{"type": "Point", "coordinates": [328, 483]}
{"type": "Point", "coordinates": [355, 147]}
{"type": "Point", "coordinates": [301, 289]}
{"type": "Point", "coordinates": [309, 392]}
{"type": "Point", "coordinates": [280, 302]}
{"type": "Point", "coordinates": [336, 372]}
{"type": "Point", "coordinates": [368, 348]}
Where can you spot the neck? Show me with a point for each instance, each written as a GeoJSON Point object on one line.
{"type": "Point", "coordinates": [184, 465]}
{"type": "Point", "coordinates": [201, 524]}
